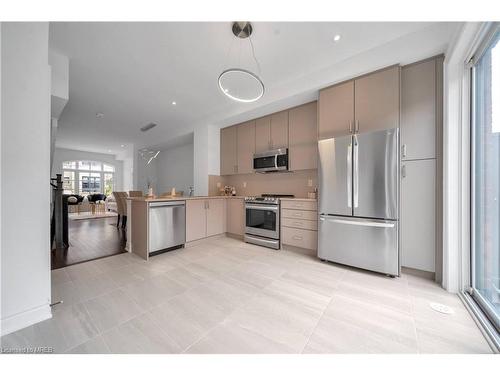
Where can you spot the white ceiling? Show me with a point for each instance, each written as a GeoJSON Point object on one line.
{"type": "Point", "coordinates": [132, 72]}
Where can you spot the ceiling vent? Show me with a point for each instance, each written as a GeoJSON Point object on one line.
{"type": "Point", "coordinates": [147, 127]}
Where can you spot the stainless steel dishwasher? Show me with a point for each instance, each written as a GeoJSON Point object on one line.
{"type": "Point", "coordinates": [167, 225]}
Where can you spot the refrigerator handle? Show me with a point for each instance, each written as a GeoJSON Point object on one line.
{"type": "Point", "coordinates": [349, 175]}
{"type": "Point", "coordinates": [356, 172]}
{"type": "Point", "coordinates": [361, 223]}
{"type": "Point", "coordinates": [350, 126]}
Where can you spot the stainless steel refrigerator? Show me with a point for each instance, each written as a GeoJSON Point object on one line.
{"type": "Point", "coordinates": [359, 200]}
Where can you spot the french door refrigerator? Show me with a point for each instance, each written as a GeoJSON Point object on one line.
{"type": "Point", "coordinates": [359, 200]}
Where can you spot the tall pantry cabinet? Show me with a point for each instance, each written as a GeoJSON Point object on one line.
{"type": "Point", "coordinates": [421, 161]}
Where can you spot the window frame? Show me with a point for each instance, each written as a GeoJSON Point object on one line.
{"type": "Point", "coordinates": [472, 298]}
{"type": "Point", "coordinates": [101, 172]}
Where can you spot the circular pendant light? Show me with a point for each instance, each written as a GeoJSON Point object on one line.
{"type": "Point", "coordinates": [241, 84]}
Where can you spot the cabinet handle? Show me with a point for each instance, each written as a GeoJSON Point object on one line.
{"type": "Point", "coordinates": [356, 127]}
{"type": "Point", "coordinates": [297, 214]}
{"type": "Point", "coordinates": [298, 223]}
{"type": "Point", "coordinates": [403, 171]}
{"type": "Point", "coordinates": [299, 238]}
{"type": "Point", "coordinates": [297, 205]}
{"type": "Point", "coordinates": [350, 126]}
{"type": "Point", "coordinates": [403, 150]}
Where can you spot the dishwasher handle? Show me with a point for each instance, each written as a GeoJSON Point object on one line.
{"type": "Point", "coordinates": [167, 204]}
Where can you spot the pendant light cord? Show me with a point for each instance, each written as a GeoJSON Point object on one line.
{"type": "Point", "coordinates": [253, 54]}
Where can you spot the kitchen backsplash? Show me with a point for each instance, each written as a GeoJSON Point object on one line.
{"type": "Point", "coordinates": [296, 183]}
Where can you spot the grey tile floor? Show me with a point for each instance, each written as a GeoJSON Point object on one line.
{"type": "Point", "coordinates": [225, 296]}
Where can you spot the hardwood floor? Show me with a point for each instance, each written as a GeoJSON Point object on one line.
{"type": "Point", "coordinates": [90, 239]}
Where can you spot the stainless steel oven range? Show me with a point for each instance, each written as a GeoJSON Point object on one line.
{"type": "Point", "coordinates": [263, 220]}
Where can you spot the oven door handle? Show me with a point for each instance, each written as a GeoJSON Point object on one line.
{"type": "Point", "coordinates": [261, 207]}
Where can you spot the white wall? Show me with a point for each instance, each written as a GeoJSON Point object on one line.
{"type": "Point", "coordinates": [25, 164]}
{"type": "Point", "coordinates": [127, 158]}
{"type": "Point", "coordinates": [146, 174]}
{"type": "Point", "coordinates": [64, 154]}
{"type": "Point", "coordinates": [206, 156]}
{"type": "Point", "coordinates": [174, 168]}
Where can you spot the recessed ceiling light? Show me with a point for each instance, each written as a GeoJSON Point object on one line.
{"type": "Point", "coordinates": [336, 38]}
{"type": "Point", "coordinates": [99, 115]}
{"type": "Point", "coordinates": [109, 150]}
{"type": "Point", "coordinates": [174, 103]}
{"type": "Point", "coordinates": [122, 145]}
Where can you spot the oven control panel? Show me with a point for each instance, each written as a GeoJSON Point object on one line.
{"type": "Point", "coordinates": [265, 200]}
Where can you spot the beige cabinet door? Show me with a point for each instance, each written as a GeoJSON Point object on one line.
{"type": "Point", "coordinates": [228, 148]}
{"type": "Point", "coordinates": [303, 137]}
{"type": "Point", "coordinates": [246, 147]}
{"type": "Point", "coordinates": [418, 214]}
{"type": "Point", "coordinates": [216, 216]}
{"type": "Point", "coordinates": [418, 110]}
{"type": "Point", "coordinates": [279, 130]}
{"type": "Point", "coordinates": [336, 110]}
{"type": "Point", "coordinates": [263, 134]}
{"type": "Point", "coordinates": [196, 219]}
{"type": "Point", "coordinates": [236, 216]}
{"type": "Point", "coordinates": [376, 101]}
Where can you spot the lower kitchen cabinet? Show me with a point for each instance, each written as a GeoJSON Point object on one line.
{"type": "Point", "coordinates": [196, 221]}
{"type": "Point", "coordinates": [307, 239]}
{"type": "Point", "coordinates": [204, 218]}
{"type": "Point", "coordinates": [418, 214]}
{"type": "Point", "coordinates": [216, 216]}
{"type": "Point", "coordinates": [236, 216]}
{"type": "Point", "coordinates": [299, 223]}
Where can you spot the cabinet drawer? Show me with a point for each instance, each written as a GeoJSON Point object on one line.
{"type": "Point", "coordinates": [299, 205]}
{"type": "Point", "coordinates": [299, 223]}
{"type": "Point", "coordinates": [298, 214]}
{"type": "Point", "coordinates": [306, 239]}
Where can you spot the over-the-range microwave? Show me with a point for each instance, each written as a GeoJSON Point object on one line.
{"type": "Point", "coordinates": [271, 161]}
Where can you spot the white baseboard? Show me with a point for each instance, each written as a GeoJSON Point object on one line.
{"type": "Point", "coordinates": [25, 319]}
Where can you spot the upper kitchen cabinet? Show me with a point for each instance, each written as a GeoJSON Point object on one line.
{"type": "Point", "coordinates": [419, 107]}
{"type": "Point", "coordinates": [263, 134]}
{"type": "Point", "coordinates": [303, 137]}
{"type": "Point", "coordinates": [271, 132]}
{"type": "Point", "coordinates": [376, 100]}
{"type": "Point", "coordinates": [279, 130]}
{"type": "Point", "coordinates": [336, 110]}
{"type": "Point", "coordinates": [245, 147]}
{"type": "Point", "coordinates": [228, 151]}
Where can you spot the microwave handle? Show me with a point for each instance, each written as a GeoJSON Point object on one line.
{"type": "Point", "coordinates": [276, 161]}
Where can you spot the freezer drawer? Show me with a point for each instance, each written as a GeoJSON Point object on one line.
{"type": "Point", "coordinates": [167, 225]}
{"type": "Point", "coordinates": [363, 243]}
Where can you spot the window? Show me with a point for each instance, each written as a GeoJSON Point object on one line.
{"type": "Point", "coordinates": [485, 180]}
{"type": "Point", "coordinates": [85, 177]}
